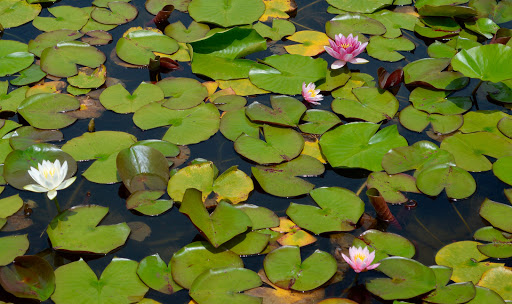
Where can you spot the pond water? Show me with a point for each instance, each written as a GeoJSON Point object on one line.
{"type": "Point", "coordinates": [433, 223]}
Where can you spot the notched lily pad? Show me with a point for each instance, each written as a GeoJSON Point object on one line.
{"type": "Point", "coordinates": [430, 72]}
{"type": "Point", "coordinates": [61, 60]}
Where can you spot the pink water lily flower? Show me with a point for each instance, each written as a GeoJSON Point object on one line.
{"type": "Point", "coordinates": [345, 49]}
{"type": "Point", "coordinates": [310, 94]}
{"type": "Point", "coordinates": [360, 259]}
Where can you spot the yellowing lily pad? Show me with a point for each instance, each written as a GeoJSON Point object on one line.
{"type": "Point", "coordinates": [278, 9]}
{"type": "Point", "coordinates": [498, 279]}
{"type": "Point", "coordinates": [312, 43]}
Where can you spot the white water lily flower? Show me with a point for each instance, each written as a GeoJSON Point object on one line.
{"type": "Point", "coordinates": [49, 178]}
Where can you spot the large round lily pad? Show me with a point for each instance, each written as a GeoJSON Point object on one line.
{"type": "Point", "coordinates": [371, 104]}
{"type": "Point", "coordinates": [226, 13]}
{"type": "Point", "coordinates": [47, 110]}
{"type": "Point", "coordinates": [76, 230]}
{"type": "Point", "coordinates": [389, 243]}
{"type": "Point", "coordinates": [285, 111]}
{"type": "Point", "coordinates": [491, 62]}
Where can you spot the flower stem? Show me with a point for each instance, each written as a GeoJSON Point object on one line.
{"type": "Point", "coordinates": [57, 204]}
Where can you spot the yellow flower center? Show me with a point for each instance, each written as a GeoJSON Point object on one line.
{"type": "Point", "coordinates": [359, 256]}
{"type": "Point", "coordinates": [50, 172]}
{"type": "Point", "coordinates": [346, 45]}
{"type": "Point", "coordinates": [312, 93]}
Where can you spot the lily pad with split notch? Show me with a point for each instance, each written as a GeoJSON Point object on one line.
{"type": "Point", "coordinates": [439, 102]}
{"type": "Point", "coordinates": [197, 257]}
{"type": "Point", "coordinates": [394, 21]}
{"type": "Point", "coordinates": [385, 49]}
{"type": "Point", "coordinates": [355, 24]}
{"type": "Point", "coordinates": [148, 203]}
{"type": "Point", "coordinates": [88, 78]}
{"type": "Point", "coordinates": [311, 43]}
{"type": "Point", "coordinates": [340, 210]}
{"type": "Point", "coordinates": [156, 274]}
{"type": "Point", "coordinates": [29, 75]}
{"type": "Point", "coordinates": [391, 186]}
{"type": "Point", "coordinates": [500, 242]}
{"type": "Point", "coordinates": [416, 120]}
{"type": "Point", "coordinates": [76, 229]}
{"type": "Point", "coordinates": [280, 28]}
{"type": "Point", "coordinates": [366, 6]}
{"type": "Point", "coordinates": [119, 13]}
{"type": "Point", "coordinates": [9, 102]}
{"type": "Point", "coordinates": [235, 123]}
{"type": "Point", "coordinates": [283, 180]}
{"type": "Point", "coordinates": [318, 121]}
{"type": "Point", "coordinates": [137, 47]}
{"type": "Point", "coordinates": [97, 37]}
{"type": "Point", "coordinates": [47, 110]}
{"type": "Point", "coordinates": [155, 6]}
{"type": "Point", "coordinates": [388, 243]}
{"type": "Point", "coordinates": [119, 100]}
{"type": "Point", "coordinates": [178, 31]}
{"type": "Point", "coordinates": [49, 39]}
{"type": "Point", "coordinates": [491, 62]}
{"type": "Point", "coordinates": [182, 93]}
{"type": "Point", "coordinates": [118, 283]}
{"type": "Point", "coordinates": [497, 279]}
{"type": "Point", "coordinates": [286, 111]}
{"type": "Point", "coordinates": [27, 136]}
{"type": "Point", "coordinates": [284, 268]}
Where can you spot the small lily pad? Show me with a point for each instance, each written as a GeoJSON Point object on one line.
{"type": "Point", "coordinates": [318, 121]}
{"type": "Point", "coordinates": [388, 243]}
{"type": "Point", "coordinates": [178, 31]}
{"type": "Point", "coordinates": [286, 111]}
{"type": "Point", "coordinates": [355, 24]}
{"type": "Point", "coordinates": [433, 101]}
{"type": "Point", "coordinates": [14, 57]}
{"type": "Point", "coordinates": [417, 121]}
{"type": "Point", "coordinates": [119, 100]}
{"type": "Point", "coordinates": [280, 28]}
{"type": "Point", "coordinates": [137, 47]}
{"type": "Point", "coordinates": [50, 39]}
{"type": "Point", "coordinates": [88, 78]}
{"type": "Point", "coordinates": [311, 43]}
{"type": "Point", "coordinates": [13, 246]}
{"type": "Point", "coordinates": [156, 274]}
{"type": "Point", "coordinates": [391, 186]}
{"type": "Point", "coordinates": [235, 123]}
{"type": "Point", "coordinates": [119, 13]}
{"type": "Point", "coordinates": [385, 49]}
{"type": "Point", "coordinates": [366, 6]}
{"type": "Point", "coordinates": [183, 93]}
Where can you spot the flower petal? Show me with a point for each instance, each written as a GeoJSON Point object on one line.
{"type": "Point", "coordinates": [66, 183]}
{"type": "Point", "coordinates": [358, 61]}
{"type": "Point", "coordinates": [338, 64]}
{"type": "Point", "coordinates": [52, 194]}
{"type": "Point", "coordinates": [35, 188]}
{"type": "Point", "coordinates": [373, 266]}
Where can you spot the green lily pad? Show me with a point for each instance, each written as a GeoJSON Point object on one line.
{"type": "Point", "coordinates": [394, 21]}
{"type": "Point", "coordinates": [430, 72]}
{"type": "Point", "coordinates": [476, 63]}
{"type": "Point", "coordinates": [340, 210]}
{"type": "Point", "coordinates": [497, 11]}
{"type": "Point", "coordinates": [441, 50]}
{"type": "Point", "coordinates": [285, 73]}
{"type": "Point", "coordinates": [318, 121]}
{"type": "Point", "coordinates": [446, 8]}
{"type": "Point", "coordinates": [390, 187]}
{"type": "Point", "coordinates": [195, 258]}
{"type": "Point", "coordinates": [12, 246]}
{"type": "Point", "coordinates": [388, 243]}
{"type": "Point", "coordinates": [502, 169]}
{"type": "Point", "coordinates": [334, 79]}
{"type": "Point", "coordinates": [355, 24]}
{"type": "Point", "coordinates": [366, 6]}
{"type": "Point", "coordinates": [226, 14]}
{"type": "Point", "coordinates": [223, 286]}
{"type": "Point", "coordinates": [282, 180]}
{"type": "Point", "coordinates": [178, 31]}
{"type": "Point", "coordinates": [281, 144]}
{"type": "Point", "coordinates": [61, 60]}
{"type": "Point", "coordinates": [483, 120]}
{"type": "Point", "coordinates": [14, 13]}
{"type": "Point", "coordinates": [417, 121]}
{"type": "Point", "coordinates": [103, 147]}
{"type": "Point", "coordinates": [357, 80]}
{"type": "Point", "coordinates": [497, 214]}
{"type": "Point", "coordinates": [76, 229]}
{"type": "Point", "coordinates": [66, 17]}
{"type": "Point", "coordinates": [188, 126]}
{"type": "Point", "coordinates": [104, 3]}
{"type": "Point", "coordinates": [50, 39]}
{"type": "Point", "coordinates": [484, 295]}
{"type": "Point", "coordinates": [357, 145]}
{"type": "Point", "coordinates": [29, 277]}
{"type": "Point", "coordinates": [119, 13]}
{"type": "Point", "coordinates": [148, 203]}
{"type": "Point", "coordinates": [118, 283]}
{"type": "Point", "coordinates": [469, 149]}
{"type": "Point", "coordinates": [409, 278]}
{"type": "Point", "coordinates": [154, 6]}
{"type": "Point", "coordinates": [10, 102]}
{"type": "Point", "coordinates": [222, 225]}
{"type": "Point", "coordinates": [142, 168]}
{"type": "Point", "coordinates": [432, 101]}
{"type": "Point", "coordinates": [29, 75]}
{"type": "Point", "coordinates": [46, 111]}
{"type": "Point", "coordinates": [385, 49]}
{"type": "Point", "coordinates": [137, 47]}
{"type": "Point", "coordinates": [14, 57]}
{"type": "Point", "coordinates": [156, 274]}
{"type": "Point", "coordinates": [483, 26]}
{"type": "Point", "coordinates": [233, 184]}
{"type": "Point", "coordinates": [228, 103]}
{"type": "Point", "coordinates": [453, 293]}
{"type": "Point", "coordinates": [466, 261]}
{"type": "Point", "coordinates": [18, 162]}
{"type": "Point", "coordinates": [371, 104]}
{"type": "Point", "coordinates": [219, 55]}
{"type": "Point", "coordinates": [457, 182]}
{"type": "Point", "coordinates": [284, 268]}
{"type": "Point", "coordinates": [235, 123]}
{"type": "Point", "coordinates": [183, 93]}
{"type": "Point", "coordinates": [505, 126]}
{"type": "Point", "coordinates": [497, 279]}
{"type": "Point", "coordinates": [280, 28]}
{"type": "Point", "coordinates": [88, 78]}
{"type": "Point", "coordinates": [119, 100]}
{"type": "Point", "coordinates": [443, 274]}
{"type": "Point", "coordinates": [97, 37]}
{"type": "Point", "coordinates": [10, 205]}
{"type": "Point", "coordinates": [500, 245]}
{"type": "Point", "coordinates": [286, 111]}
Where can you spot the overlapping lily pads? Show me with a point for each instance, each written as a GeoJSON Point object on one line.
{"type": "Point", "coordinates": [137, 46]}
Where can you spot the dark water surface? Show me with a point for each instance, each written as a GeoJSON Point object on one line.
{"type": "Point", "coordinates": [435, 222]}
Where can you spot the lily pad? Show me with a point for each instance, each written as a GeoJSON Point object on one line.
{"type": "Point", "coordinates": [188, 126]}
{"type": "Point", "coordinates": [453, 293]}
{"type": "Point", "coordinates": [280, 28]}
{"type": "Point", "coordinates": [433, 101]}
{"type": "Point", "coordinates": [285, 73]}
{"type": "Point", "coordinates": [226, 14]}
{"type": "Point", "coordinates": [195, 258]}
{"type": "Point", "coordinates": [183, 93]}
{"type": "Point", "coordinates": [29, 277]}
{"type": "Point", "coordinates": [500, 245]}
{"type": "Point", "coordinates": [340, 210]}
{"type": "Point", "coordinates": [497, 279]}
{"type": "Point", "coordinates": [485, 295]}
{"type": "Point", "coordinates": [430, 72]}
{"type": "Point", "coordinates": [46, 111]}
{"type": "Point", "coordinates": [223, 286]}
{"type": "Point", "coordinates": [29, 75]}
{"type": "Point", "coordinates": [391, 186]}
{"type": "Point", "coordinates": [409, 278]}
{"type": "Point", "coordinates": [355, 24]}
{"type": "Point", "coordinates": [311, 43]}
{"type": "Point", "coordinates": [10, 102]}
{"type": "Point", "coordinates": [103, 147]}
{"type": "Point", "coordinates": [388, 243]}
{"type": "Point", "coordinates": [286, 111]}
{"type": "Point", "coordinates": [76, 229]}
{"type": "Point", "coordinates": [371, 104]}
{"type": "Point", "coordinates": [88, 78]}
{"type": "Point", "coordinates": [497, 214]}
{"type": "Point", "coordinates": [284, 268]}
{"type": "Point", "coordinates": [417, 121]}
{"type": "Point", "coordinates": [155, 6]}
{"type": "Point", "coordinates": [66, 17]}
{"type": "Point", "coordinates": [385, 49]}
{"type": "Point", "coordinates": [14, 57]}
{"type": "Point", "coordinates": [357, 145]}
{"type": "Point", "coordinates": [476, 63]}
{"type": "Point", "coordinates": [118, 283]}
{"type": "Point", "coordinates": [318, 121]}
{"type": "Point", "coordinates": [178, 31]}
{"type": "Point", "coordinates": [219, 56]}
{"type": "Point", "coordinates": [502, 169]}
{"type": "Point", "coordinates": [466, 261]}
{"type": "Point", "coordinates": [61, 60]}
{"type": "Point", "coordinates": [25, 137]}
{"type": "Point", "coordinates": [137, 47]}
{"type": "Point", "coordinates": [457, 182]}
{"type": "Point", "coordinates": [156, 274]}
{"type": "Point", "coordinates": [235, 123]}
{"type": "Point", "coordinates": [282, 180]}
{"type": "Point", "coordinates": [394, 21]}
{"type": "Point", "coordinates": [230, 102]}
{"type": "Point", "coordinates": [13, 246]}
{"type": "Point", "coordinates": [119, 100]}
{"type": "Point", "coordinates": [119, 13]}
{"type": "Point", "coordinates": [335, 79]}
{"type": "Point", "coordinates": [281, 144]}
{"type": "Point", "coordinates": [97, 37]}
{"type": "Point", "coordinates": [222, 225]}
{"type": "Point", "coordinates": [14, 13]}
{"type": "Point", "coordinates": [50, 39]}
